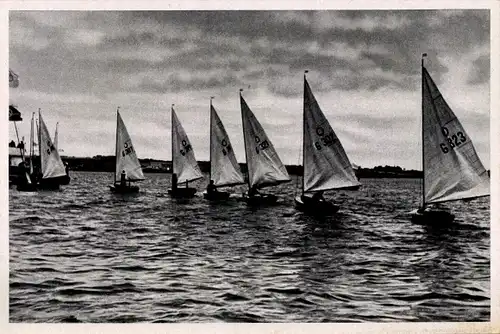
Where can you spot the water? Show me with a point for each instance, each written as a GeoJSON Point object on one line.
{"type": "Point", "coordinates": [86, 255]}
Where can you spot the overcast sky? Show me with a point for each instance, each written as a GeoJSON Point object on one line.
{"type": "Point", "coordinates": [364, 69]}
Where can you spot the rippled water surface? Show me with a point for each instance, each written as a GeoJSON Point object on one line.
{"type": "Point", "coordinates": [84, 254]}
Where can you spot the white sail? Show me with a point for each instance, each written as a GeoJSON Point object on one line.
{"type": "Point", "coordinates": [224, 169]}
{"type": "Point", "coordinates": [326, 165]}
{"type": "Point", "coordinates": [264, 165]}
{"type": "Point", "coordinates": [51, 163]}
{"type": "Point", "coordinates": [452, 169]}
{"type": "Point", "coordinates": [126, 158]}
{"type": "Point", "coordinates": [184, 161]}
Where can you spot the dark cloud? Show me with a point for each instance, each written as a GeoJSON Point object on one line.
{"type": "Point", "coordinates": [175, 83]}
{"type": "Point", "coordinates": [480, 71]}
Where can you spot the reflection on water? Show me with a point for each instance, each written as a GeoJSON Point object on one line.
{"type": "Point", "coordinates": [86, 255]}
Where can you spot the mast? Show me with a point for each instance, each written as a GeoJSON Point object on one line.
{"type": "Point", "coordinates": [211, 139]}
{"type": "Point", "coordinates": [304, 133]}
{"type": "Point", "coordinates": [55, 137]}
{"type": "Point", "coordinates": [116, 143]}
{"type": "Point", "coordinates": [172, 137]}
{"type": "Point", "coordinates": [423, 145]}
{"type": "Point", "coordinates": [32, 139]}
{"type": "Point", "coordinates": [39, 141]}
{"type": "Point", "coordinates": [244, 142]}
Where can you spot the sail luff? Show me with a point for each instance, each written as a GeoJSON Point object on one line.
{"type": "Point", "coordinates": [423, 146]}
{"type": "Point", "coordinates": [264, 164]}
{"type": "Point", "coordinates": [304, 135]}
{"type": "Point", "coordinates": [51, 163]}
{"type": "Point", "coordinates": [116, 145]}
{"type": "Point", "coordinates": [185, 164]}
{"type": "Point", "coordinates": [326, 164]}
{"type": "Point", "coordinates": [224, 167]}
{"type": "Point", "coordinates": [126, 155]}
{"type": "Point", "coordinates": [245, 138]}
{"type": "Point", "coordinates": [452, 168]}
{"type": "Point", "coordinates": [211, 141]}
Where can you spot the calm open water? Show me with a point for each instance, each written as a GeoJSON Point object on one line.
{"type": "Point", "coordinates": [86, 255]}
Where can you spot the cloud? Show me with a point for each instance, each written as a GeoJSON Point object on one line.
{"type": "Point", "coordinates": [480, 71]}
{"type": "Point", "coordinates": [364, 68]}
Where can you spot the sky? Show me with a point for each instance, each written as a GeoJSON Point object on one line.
{"type": "Point", "coordinates": [364, 69]}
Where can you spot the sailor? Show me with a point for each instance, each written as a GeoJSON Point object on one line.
{"type": "Point", "coordinates": [12, 143]}
{"type": "Point", "coordinates": [211, 188]}
{"type": "Point", "coordinates": [174, 181]}
{"type": "Point", "coordinates": [122, 179]}
{"type": "Point", "coordinates": [253, 192]}
{"type": "Point", "coordinates": [318, 196]}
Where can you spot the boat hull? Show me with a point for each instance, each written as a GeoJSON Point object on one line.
{"type": "Point", "coordinates": [260, 200]}
{"type": "Point", "coordinates": [182, 192]}
{"type": "Point", "coordinates": [432, 216]}
{"type": "Point", "coordinates": [63, 180]}
{"type": "Point", "coordinates": [216, 196]}
{"type": "Point", "coordinates": [118, 189]}
{"type": "Point", "coordinates": [48, 184]}
{"type": "Point", "coordinates": [316, 207]}
{"type": "Point", "coordinates": [26, 187]}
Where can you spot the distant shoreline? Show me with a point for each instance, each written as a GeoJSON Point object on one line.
{"type": "Point", "coordinates": [107, 164]}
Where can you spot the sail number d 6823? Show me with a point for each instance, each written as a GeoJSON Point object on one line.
{"type": "Point", "coordinates": [452, 140]}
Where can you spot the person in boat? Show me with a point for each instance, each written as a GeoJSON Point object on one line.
{"type": "Point", "coordinates": [318, 196]}
{"type": "Point", "coordinates": [12, 143]}
{"type": "Point", "coordinates": [23, 173]}
{"type": "Point", "coordinates": [211, 188]}
{"type": "Point", "coordinates": [20, 145]}
{"type": "Point", "coordinates": [123, 180]}
{"type": "Point", "coordinates": [253, 192]}
{"type": "Point", "coordinates": [174, 182]}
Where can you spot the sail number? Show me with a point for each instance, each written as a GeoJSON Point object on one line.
{"type": "Point", "coordinates": [453, 140]}
{"type": "Point", "coordinates": [51, 147]}
{"type": "Point", "coordinates": [261, 145]}
{"type": "Point", "coordinates": [127, 149]}
{"type": "Point", "coordinates": [325, 139]}
{"type": "Point", "coordinates": [226, 148]}
{"type": "Point", "coordinates": [187, 147]}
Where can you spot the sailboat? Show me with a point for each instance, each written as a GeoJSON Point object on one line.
{"type": "Point", "coordinates": [63, 180]}
{"type": "Point", "coordinates": [224, 168]}
{"type": "Point", "coordinates": [185, 168]}
{"type": "Point", "coordinates": [265, 168]}
{"type": "Point", "coordinates": [451, 167]}
{"type": "Point", "coordinates": [26, 173]}
{"type": "Point", "coordinates": [326, 165]}
{"type": "Point", "coordinates": [52, 167]}
{"type": "Point", "coordinates": [128, 168]}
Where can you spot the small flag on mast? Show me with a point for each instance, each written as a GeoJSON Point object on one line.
{"type": "Point", "coordinates": [13, 79]}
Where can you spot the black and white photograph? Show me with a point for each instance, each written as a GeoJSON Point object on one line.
{"type": "Point", "coordinates": [228, 165]}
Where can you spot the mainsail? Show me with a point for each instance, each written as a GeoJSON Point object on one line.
{"type": "Point", "coordinates": [264, 165]}
{"type": "Point", "coordinates": [126, 158]}
{"type": "Point", "coordinates": [326, 165]}
{"type": "Point", "coordinates": [224, 168]}
{"type": "Point", "coordinates": [51, 163]}
{"type": "Point", "coordinates": [452, 169]}
{"type": "Point", "coordinates": [184, 161]}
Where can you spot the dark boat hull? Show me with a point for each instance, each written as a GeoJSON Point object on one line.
{"type": "Point", "coordinates": [216, 196]}
{"type": "Point", "coordinates": [27, 187]}
{"type": "Point", "coordinates": [63, 180]}
{"type": "Point", "coordinates": [432, 216]}
{"type": "Point", "coordinates": [182, 192]}
{"type": "Point", "coordinates": [316, 207]}
{"type": "Point", "coordinates": [48, 184]}
{"type": "Point", "coordinates": [118, 189]}
{"type": "Point", "coordinates": [260, 200]}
